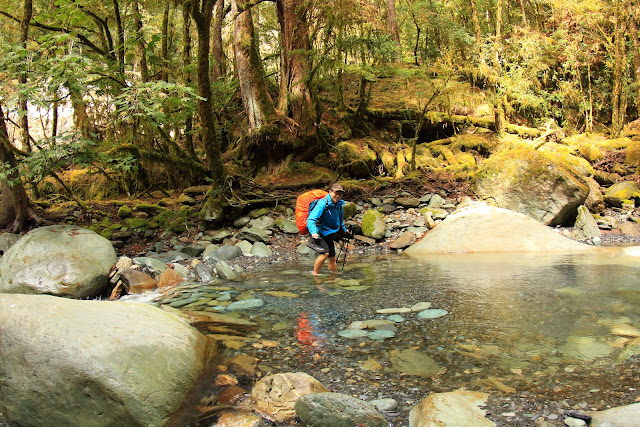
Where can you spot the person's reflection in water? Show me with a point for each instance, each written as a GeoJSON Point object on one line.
{"type": "Point", "coordinates": [308, 332]}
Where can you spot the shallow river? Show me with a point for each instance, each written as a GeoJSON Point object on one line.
{"type": "Point", "coordinates": [545, 326]}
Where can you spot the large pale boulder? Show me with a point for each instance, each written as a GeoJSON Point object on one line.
{"type": "Point", "coordinates": [537, 184]}
{"type": "Point", "coordinates": [482, 228]}
{"type": "Point", "coordinates": [59, 260]}
{"type": "Point", "coordinates": [456, 408]}
{"type": "Point", "coordinates": [94, 363]}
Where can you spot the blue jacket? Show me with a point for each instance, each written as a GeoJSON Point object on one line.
{"type": "Point", "coordinates": [330, 216]}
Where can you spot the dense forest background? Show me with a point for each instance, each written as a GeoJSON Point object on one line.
{"type": "Point", "coordinates": [134, 96]}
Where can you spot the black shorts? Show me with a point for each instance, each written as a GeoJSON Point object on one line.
{"type": "Point", "coordinates": [327, 244]}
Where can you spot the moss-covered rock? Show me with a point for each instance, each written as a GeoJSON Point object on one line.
{"type": "Point", "coordinates": [357, 158]}
{"type": "Point", "coordinates": [632, 157]}
{"type": "Point", "coordinates": [621, 191]}
{"type": "Point", "coordinates": [124, 211]}
{"type": "Point", "coordinates": [107, 233]}
{"type": "Point", "coordinates": [149, 208]}
{"type": "Point", "coordinates": [534, 183]}
{"type": "Point", "coordinates": [138, 223]}
{"type": "Point", "coordinates": [590, 152]}
{"type": "Point", "coordinates": [349, 210]}
{"type": "Point", "coordinates": [373, 224]}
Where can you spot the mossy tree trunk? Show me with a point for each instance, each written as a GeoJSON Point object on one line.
{"type": "Point", "coordinates": [294, 100]}
{"type": "Point", "coordinates": [202, 14]}
{"type": "Point", "coordinates": [217, 48]}
{"type": "Point", "coordinates": [635, 43]}
{"type": "Point", "coordinates": [23, 105]}
{"type": "Point", "coordinates": [16, 210]}
{"type": "Point", "coordinates": [619, 104]}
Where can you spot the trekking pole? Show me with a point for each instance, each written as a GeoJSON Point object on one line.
{"type": "Point", "coordinates": [345, 245]}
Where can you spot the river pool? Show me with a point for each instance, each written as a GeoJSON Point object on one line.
{"type": "Point", "coordinates": [547, 327]}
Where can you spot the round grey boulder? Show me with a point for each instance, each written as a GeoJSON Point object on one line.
{"type": "Point", "coordinates": [58, 260]}
{"type": "Point", "coordinates": [94, 363]}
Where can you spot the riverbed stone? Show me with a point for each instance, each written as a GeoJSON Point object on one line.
{"type": "Point", "coordinates": [245, 246]}
{"type": "Point", "coordinates": [585, 227]}
{"type": "Point", "coordinates": [287, 226]}
{"type": "Point", "coordinates": [482, 228]}
{"type": "Point", "coordinates": [261, 250]}
{"type": "Point", "coordinates": [432, 313]}
{"type": "Point", "coordinates": [227, 252]}
{"type": "Point", "coordinates": [405, 240]}
{"type": "Point", "coordinates": [225, 271]}
{"type": "Point", "coordinates": [455, 408]}
{"type": "Point", "coordinates": [253, 234]}
{"type": "Point", "coordinates": [71, 362]}
{"type": "Point", "coordinates": [585, 348]}
{"type": "Point", "coordinates": [412, 362]}
{"type": "Point", "coordinates": [337, 410]}
{"type": "Point", "coordinates": [58, 260]}
{"type": "Point", "coordinates": [274, 396]}
{"type": "Point", "coordinates": [246, 304]}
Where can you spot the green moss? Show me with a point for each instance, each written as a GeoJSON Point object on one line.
{"type": "Point", "coordinates": [349, 210]}
{"type": "Point", "coordinates": [633, 154]}
{"type": "Point", "coordinates": [185, 212]}
{"type": "Point", "coordinates": [107, 233]}
{"type": "Point", "coordinates": [149, 208]}
{"type": "Point", "coordinates": [124, 211]}
{"type": "Point", "coordinates": [138, 223]}
{"type": "Point", "coordinates": [162, 219]}
{"type": "Point", "coordinates": [370, 220]}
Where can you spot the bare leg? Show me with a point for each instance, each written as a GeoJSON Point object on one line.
{"type": "Point", "coordinates": [318, 264]}
{"type": "Point", "coordinates": [333, 267]}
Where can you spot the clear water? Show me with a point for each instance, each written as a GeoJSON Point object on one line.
{"type": "Point", "coordinates": [540, 324]}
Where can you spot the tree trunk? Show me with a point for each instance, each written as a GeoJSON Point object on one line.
{"type": "Point", "coordinates": [498, 41]}
{"type": "Point", "coordinates": [219, 65]}
{"type": "Point", "coordinates": [478, 31]}
{"type": "Point", "coordinates": [393, 23]}
{"type": "Point", "coordinates": [23, 104]}
{"type": "Point", "coordinates": [16, 211]}
{"type": "Point", "coordinates": [619, 99]}
{"type": "Point", "coordinates": [120, 48]}
{"type": "Point", "coordinates": [202, 13]}
{"type": "Point", "coordinates": [633, 33]}
{"type": "Point", "coordinates": [186, 63]}
{"type": "Point", "coordinates": [164, 54]}
{"type": "Point", "coordinates": [524, 15]}
{"type": "Point", "coordinates": [294, 100]}
{"type": "Point", "coordinates": [142, 56]}
{"type": "Point", "coordinates": [255, 98]}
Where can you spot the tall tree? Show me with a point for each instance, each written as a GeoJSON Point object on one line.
{"type": "Point", "coordinates": [477, 31]}
{"type": "Point", "coordinates": [202, 14]}
{"type": "Point", "coordinates": [24, 105]}
{"type": "Point", "coordinates": [16, 210]}
{"type": "Point", "coordinates": [294, 100]}
{"type": "Point", "coordinates": [619, 104]}
{"type": "Point", "coordinates": [219, 65]}
{"type": "Point", "coordinates": [257, 102]}
{"type": "Point", "coordinates": [393, 22]}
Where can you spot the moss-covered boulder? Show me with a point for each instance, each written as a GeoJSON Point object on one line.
{"type": "Point", "coordinates": [124, 211]}
{"type": "Point", "coordinates": [349, 209]}
{"type": "Point", "coordinates": [138, 223]}
{"type": "Point", "coordinates": [373, 224]}
{"type": "Point", "coordinates": [620, 191]}
{"type": "Point", "coordinates": [357, 158]}
{"type": "Point", "coordinates": [632, 157]}
{"type": "Point", "coordinates": [534, 183]}
{"type": "Point", "coordinates": [590, 152]}
{"type": "Point", "coordinates": [149, 208]}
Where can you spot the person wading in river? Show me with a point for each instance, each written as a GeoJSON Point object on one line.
{"type": "Point", "coordinates": [325, 223]}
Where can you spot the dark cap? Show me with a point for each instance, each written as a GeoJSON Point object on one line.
{"type": "Point", "coordinates": [336, 187]}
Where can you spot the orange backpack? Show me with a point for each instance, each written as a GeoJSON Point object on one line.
{"type": "Point", "coordinates": [304, 204]}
